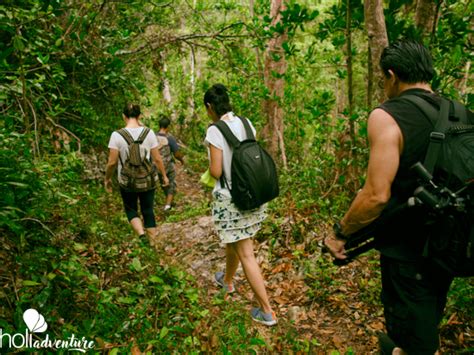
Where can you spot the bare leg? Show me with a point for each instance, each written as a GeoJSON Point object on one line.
{"type": "Point", "coordinates": [231, 262]}
{"type": "Point", "coordinates": [244, 249]}
{"type": "Point", "coordinates": [169, 199]}
{"type": "Point", "coordinates": [137, 225]}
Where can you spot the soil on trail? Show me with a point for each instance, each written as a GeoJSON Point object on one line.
{"type": "Point", "coordinates": [193, 245]}
{"type": "Point", "coordinates": [336, 308]}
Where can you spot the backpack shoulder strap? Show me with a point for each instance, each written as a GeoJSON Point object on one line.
{"type": "Point", "coordinates": [227, 133]}
{"type": "Point", "coordinates": [126, 135]}
{"type": "Point", "coordinates": [438, 134]}
{"type": "Point", "coordinates": [433, 114]}
{"type": "Point", "coordinates": [143, 135]}
{"type": "Point", "coordinates": [428, 110]}
{"type": "Point", "coordinates": [248, 129]}
{"type": "Point", "coordinates": [437, 137]}
{"type": "Point", "coordinates": [233, 142]}
{"type": "Point", "coordinates": [162, 141]}
{"type": "Point", "coordinates": [460, 111]}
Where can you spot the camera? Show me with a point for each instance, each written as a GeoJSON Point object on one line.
{"type": "Point", "coordinates": [436, 200]}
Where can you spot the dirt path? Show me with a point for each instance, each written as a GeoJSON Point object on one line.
{"type": "Point", "coordinates": [336, 308]}
{"type": "Point", "coordinates": [193, 244]}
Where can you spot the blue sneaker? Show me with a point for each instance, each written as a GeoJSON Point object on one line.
{"type": "Point", "coordinates": [219, 278]}
{"type": "Point", "coordinates": [265, 318]}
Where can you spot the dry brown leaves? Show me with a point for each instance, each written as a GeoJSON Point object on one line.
{"type": "Point", "coordinates": [347, 316]}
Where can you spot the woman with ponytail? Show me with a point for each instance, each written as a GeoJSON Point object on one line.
{"type": "Point", "coordinates": [235, 228]}
{"type": "Point", "coordinates": [118, 154]}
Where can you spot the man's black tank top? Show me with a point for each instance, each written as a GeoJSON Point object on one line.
{"type": "Point", "coordinates": [406, 236]}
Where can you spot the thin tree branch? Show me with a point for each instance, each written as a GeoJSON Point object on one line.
{"type": "Point", "coordinates": [152, 44]}
{"type": "Point", "coordinates": [35, 121]}
{"type": "Point", "coordinates": [161, 5]}
{"type": "Point", "coordinates": [67, 131]}
{"type": "Point", "coordinates": [39, 222]}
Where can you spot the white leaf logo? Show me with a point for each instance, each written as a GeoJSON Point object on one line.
{"type": "Point", "coordinates": [34, 321]}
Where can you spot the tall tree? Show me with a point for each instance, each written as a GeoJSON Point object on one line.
{"type": "Point", "coordinates": [425, 16]}
{"type": "Point", "coordinates": [350, 94]}
{"type": "Point", "coordinates": [165, 82]}
{"type": "Point", "coordinates": [275, 68]}
{"type": "Point", "coordinates": [370, 76]}
{"type": "Point", "coordinates": [378, 40]}
{"type": "Point", "coordinates": [257, 50]}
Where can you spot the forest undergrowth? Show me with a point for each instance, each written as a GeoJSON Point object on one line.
{"type": "Point", "coordinates": [79, 264]}
{"type": "Point", "coordinates": [304, 72]}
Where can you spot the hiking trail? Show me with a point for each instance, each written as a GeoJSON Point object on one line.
{"type": "Point", "coordinates": [193, 246]}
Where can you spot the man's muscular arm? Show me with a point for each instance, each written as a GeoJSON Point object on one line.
{"type": "Point", "coordinates": [386, 145]}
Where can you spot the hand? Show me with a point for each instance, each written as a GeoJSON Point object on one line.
{"type": "Point", "coordinates": [108, 185]}
{"type": "Point", "coordinates": [335, 247]}
{"type": "Point", "coordinates": [166, 181]}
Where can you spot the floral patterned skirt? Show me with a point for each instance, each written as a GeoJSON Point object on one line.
{"type": "Point", "coordinates": [233, 224]}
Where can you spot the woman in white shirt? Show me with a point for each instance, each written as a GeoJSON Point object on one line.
{"type": "Point", "coordinates": [235, 227]}
{"type": "Point", "coordinates": [118, 152]}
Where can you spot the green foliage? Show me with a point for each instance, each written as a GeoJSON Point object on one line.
{"type": "Point", "coordinates": [449, 43]}
{"type": "Point", "coordinates": [234, 331]}
{"type": "Point", "coordinates": [67, 68]}
{"type": "Point", "coordinates": [452, 50]}
{"type": "Point", "coordinates": [84, 271]}
{"type": "Point", "coordinates": [460, 296]}
{"type": "Point", "coordinates": [32, 189]}
{"type": "Point", "coordinates": [48, 51]}
{"type": "Point", "coordinates": [320, 276]}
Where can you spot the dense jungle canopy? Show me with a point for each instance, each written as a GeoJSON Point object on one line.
{"type": "Point", "coordinates": [305, 72]}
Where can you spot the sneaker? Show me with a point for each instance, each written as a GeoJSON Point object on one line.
{"type": "Point", "coordinates": [386, 344]}
{"type": "Point", "coordinates": [167, 208]}
{"type": "Point", "coordinates": [264, 318]}
{"type": "Point", "coordinates": [219, 278]}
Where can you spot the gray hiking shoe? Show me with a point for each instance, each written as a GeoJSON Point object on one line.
{"type": "Point", "coordinates": [265, 318]}
{"type": "Point", "coordinates": [219, 278]}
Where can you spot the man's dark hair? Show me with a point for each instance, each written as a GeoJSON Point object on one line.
{"type": "Point", "coordinates": [164, 122]}
{"type": "Point", "coordinates": [409, 60]}
{"type": "Point", "coordinates": [219, 99]}
{"type": "Point", "coordinates": [131, 110]}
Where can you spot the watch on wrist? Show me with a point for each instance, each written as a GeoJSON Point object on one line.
{"type": "Point", "coordinates": [338, 232]}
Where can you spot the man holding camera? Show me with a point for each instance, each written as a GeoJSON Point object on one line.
{"type": "Point", "coordinates": [414, 291]}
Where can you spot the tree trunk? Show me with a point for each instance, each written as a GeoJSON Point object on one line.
{"type": "Point", "coordinates": [191, 103]}
{"type": "Point", "coordinates": [258, 56]}
{"type": "Point", "coordinates": [465, 79]}
{"type": "Point", "coordinates": [378, 40]}
{"type": "Point", "coordinates": [370, 76]}
{"type": "Point", "coordinates": [192, 82]}
{"type": "Point", "coordinates": [275, 68]}
{"type": "Point", "coordinates": [425, 16]}
{"type": "Point", "coordinates": [435, 19]}
{"type": "Point", "coordinates": [349, 68]}
{"type": "Point", "coordinates": [166, 85]}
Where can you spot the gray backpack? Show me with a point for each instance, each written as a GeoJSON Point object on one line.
{"type": "Point", "coordinates": [165, 150]}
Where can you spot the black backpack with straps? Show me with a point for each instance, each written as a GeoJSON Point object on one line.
{"type": "Point", "coordinates": [253, 171]}
{"type": "Point", "coordinates": [447, 186]}
{"type": "Point", "coordinates": [138, 173]}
